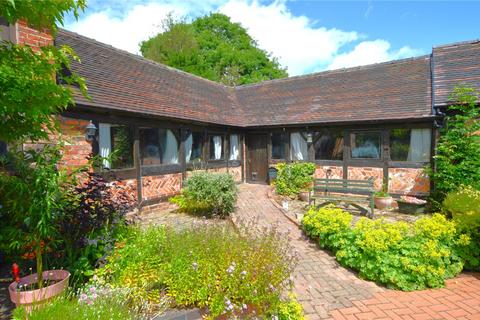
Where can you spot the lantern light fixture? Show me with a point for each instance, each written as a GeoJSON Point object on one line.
{"type": "Point", "coordinates": [90, 131]}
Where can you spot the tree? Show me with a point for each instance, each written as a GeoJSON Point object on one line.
{"type": "Point", "coordinates": [30, 93]}
{"type": "Point", "coordinates": [34, 87]}
{"type": "Point", "coordinates": [458, 149]}
{"type": "Point", "coordinates": [214, 48]}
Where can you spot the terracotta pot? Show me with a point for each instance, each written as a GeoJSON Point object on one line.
{"type": "Point", "coordinates": [39, 296]}
{"type": "Point", "coordinates": [304, 195]}
{"type": "Point", "coordinates": [383, 202]}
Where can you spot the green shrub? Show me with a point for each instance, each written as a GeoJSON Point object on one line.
{"type": "Point", "coordinates": [290, 310]}
{"type": "Point", "coordinates": [330, 225]}
{"type": "Point", "coordinates": [208, 194]}
{"type": "Point", "coordinates": [464, 206]}
{"type": "Point", "coordinates": [457, 151]}
{"type": "Point", "coordinates": [293, 177]}
{"type": "Point", "coordinates": [398, 255]}
{"type": "Point", "coordinates": [105, 308]}
{"type": "Point", "coordinates": [205, 266]}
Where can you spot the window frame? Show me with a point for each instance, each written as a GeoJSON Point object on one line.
{"type": "Point", "coordinates": [9, 29]}
{"type": "Point", "coordinates": [234, 162]}
{"type": "Point", "coordinates": [318, 134]}
{"type": "Point", "coordinates": [191, 165]}
{"type": "Point", "coordinates": [223, 158]}
{"type": "Point", "coordinates": [410, 164]}
{"type": "Point", "coordinates": [286, 146]}
{"type": "Point", "coordinates": [159, 169]}
{"type": "Point", "coordinates": [381, 144]}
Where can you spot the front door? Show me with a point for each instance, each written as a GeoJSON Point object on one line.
{"type": "Point", "coordinates": [257, 159]}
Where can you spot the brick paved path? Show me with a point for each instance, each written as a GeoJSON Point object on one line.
{"type": "Point", "coordinates": [328, 290]}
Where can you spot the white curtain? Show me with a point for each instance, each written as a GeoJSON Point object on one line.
{"type": "Point", "coordinates": [104, 143]}
{"type": "Point", "coordinates": [299, 148]}
{"type": "Point", "coordinates": [217, 147]}
{"type": "Point", "coordinates": [188, 148]}
{"type": "Point", "coordinates": [419, 145]}
{"type": "Point", "coordinates": [170, 148]}
{"type": "Point", "coordinates": [234, 150]}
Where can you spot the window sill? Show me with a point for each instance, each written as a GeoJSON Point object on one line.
{"type": "Point", "coordinates": [153, 170]}
{"type": "Point", "coordinates": [117, 174]}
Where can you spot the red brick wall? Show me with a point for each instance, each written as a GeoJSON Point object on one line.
{"type": "Point", "coordinates": [236, 172]}
{"type": "Point", "coordinates": [364, 173]}
{"type": "Point", "coordinates": [161, 186]}
{"type": "Point", "coordinates": [77, 148]}
{"type": "Point", "coordinates": [32, 37]}
{"type": "Point", "coordinates": [336, 172]}
{"type": "Point", "coordinates": [408, 181]}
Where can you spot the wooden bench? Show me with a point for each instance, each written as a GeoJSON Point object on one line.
{"type": "Point", "coordinates": [343, 190]}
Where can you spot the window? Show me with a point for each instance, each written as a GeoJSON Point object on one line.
{"type": "Point", "coordinates": [5, 30]}
{"type": "Point", "coordinates": [158, 146]}
{"type": "Point", "coordinates": [329, 145]}
{"type": "Point", "coordinates": [194, 147]}
{"type": "Point", "coordinates": [3, 148]}
{"type": "Point", "coordinates": [234, 147]}
{"type": "Point", "coordinates": [216, 147]}
{"type": "Point", "coordinates": [279, 145]}
{"type": "Point", "coordinates": [410, 144]}
{"type": "Point", "coordinates": [298, 147]}
{"type": "Point", "coordinates": [365, 145]}
{"type": "Point", "coordinates": [116, 146]}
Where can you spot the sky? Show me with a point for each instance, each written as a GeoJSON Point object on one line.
{"type": "Point", "coordinates": [305, 36]}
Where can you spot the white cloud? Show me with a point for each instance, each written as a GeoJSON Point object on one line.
{"type": "Point", "coordinates": [368, 52]}
{"type": "Point", "coordinates": [126, 32]}
{"type": "Point", "coordinates": [294, 40]}
{"type": "Point", "coordinates": [298, 42]}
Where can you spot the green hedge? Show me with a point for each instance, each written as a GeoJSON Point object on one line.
{"type": "Point", "coordinates": [206, 193]}
{"type": "Point", "coordinates": [399, 255]}
{"type": "Point", "coordinates": [293, 177]}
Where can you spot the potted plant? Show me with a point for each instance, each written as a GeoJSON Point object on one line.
{"type": "Point", "coordinates": [382, 199]}
{"type": "Point", "coordinates": [411, 205]}
{"type": "Point", "coordinates": [31, 193]}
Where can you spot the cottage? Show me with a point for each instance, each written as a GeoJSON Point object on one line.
{"type": "Point", "coordinates": [155, 125]}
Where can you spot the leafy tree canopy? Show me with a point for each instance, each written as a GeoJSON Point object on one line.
{"type": "Point", "coordinates": [214, 48]}
{"type": "Point", "coordinates": [30, 93]}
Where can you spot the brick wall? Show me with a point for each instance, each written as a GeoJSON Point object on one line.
{"type": "Point", "coordinates": [236, 172]}
{"type": "Point", "coordinates": [336, 172]}
{"type": "Point", "coordinates": [32, 37]}
{"type": "Point", "coordinates": [408, 181]}
{"type": "Point", "coordinates": [161, 185]}
{"type": "Point", "coordinates": [364, 173]}
{"type": "Point", "coordinates": [77, 148]}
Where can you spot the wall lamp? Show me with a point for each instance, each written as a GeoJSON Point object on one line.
{"type": "Point", "coordinates": [90, 131]}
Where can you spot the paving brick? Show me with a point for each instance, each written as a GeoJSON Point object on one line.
{"type": "Point", "coordinates": [327, 290]}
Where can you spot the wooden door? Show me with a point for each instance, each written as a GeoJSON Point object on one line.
{"type": "Point", "coordinates": [257, 159]}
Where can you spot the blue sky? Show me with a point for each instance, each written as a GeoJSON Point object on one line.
{"type": "Point", "coordinates": [306, 36]}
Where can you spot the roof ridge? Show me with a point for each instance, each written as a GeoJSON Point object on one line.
{"type": "Point", "coordinates": [328, 72]}
{"type": "Point", "coordinates": [139, 57]}
{"type": "Point", "coordinates": [459, 43]}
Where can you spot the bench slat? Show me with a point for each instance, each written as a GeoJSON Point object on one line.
{"type": "Point", "coordinates": [342, 180]}
{"type": "Point", "coordinates": [342, 185]}
{"type": "Point", "coordinates": [344, 191]}
{"type": "Point", "coordinates": [351, 199]}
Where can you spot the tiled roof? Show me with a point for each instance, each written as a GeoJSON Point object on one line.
{"type": "Point", "coordinates": [392, 90]}
{"type": "Point", "coordinates": [457, 63]}
{"type": "Point", "coordinates": [123, 81]}
{"type": "Point", "coordinates": [397, 90]}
